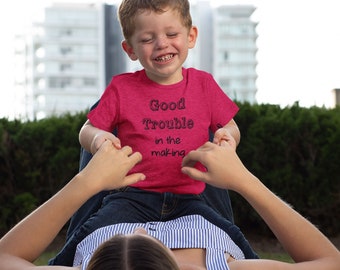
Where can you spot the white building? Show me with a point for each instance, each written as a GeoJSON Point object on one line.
{"type": "Point", "coordinates": [71, 56]}
{"type": "Point", "coordinates": [66, 58]}
{"type": "Point", "coordinates": [336, 97]}
{"type": "Point", "coordinates": [227, 47]}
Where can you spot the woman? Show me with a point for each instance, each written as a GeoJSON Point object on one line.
{"type": "Point", "coordinates": [25, 242]}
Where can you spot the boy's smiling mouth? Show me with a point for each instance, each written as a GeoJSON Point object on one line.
{"type": "Point", "coordinates": [164, 58]}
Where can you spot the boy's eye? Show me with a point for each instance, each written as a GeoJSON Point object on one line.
{"type": "Point", "coordinates": [146, 40]}
{"type": "Point", "coordinates": [172, 35]}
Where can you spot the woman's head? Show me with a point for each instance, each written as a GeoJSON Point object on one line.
{"type": "Point", "coordinates": [130, 8]}
{"type": "Point", "coordinates": [132, 252]}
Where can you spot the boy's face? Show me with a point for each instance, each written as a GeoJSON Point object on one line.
{"type": "Point", "coordinates": [161, 43]}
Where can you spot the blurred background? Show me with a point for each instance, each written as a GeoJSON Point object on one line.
{"type": "Point", "coordinates": [58, 56]}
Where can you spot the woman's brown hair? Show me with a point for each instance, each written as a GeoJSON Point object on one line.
{"type": "Point", "coordinates": [133, 252]}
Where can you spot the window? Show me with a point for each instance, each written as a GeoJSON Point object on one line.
{"type": "Point", "coordinates": [59, 82]}
{"type": "Point", "coordinates": [89, 82]}
{"type": "Point", "coordinates": [65, 32]}
{"type": "Point", "coordinates": [64, 67]}
{"type": "Point", "coordinates": [65, 50]}
{"type": "Point", "coordinates": [226, 56]}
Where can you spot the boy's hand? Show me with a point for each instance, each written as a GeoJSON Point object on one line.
{"type": "Point", "coordinates": [223, 134]}
{"type": "Point", "coordinates": [101, 137]}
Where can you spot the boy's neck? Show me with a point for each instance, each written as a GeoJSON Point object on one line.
{"type": "Point", "coordinates": [173, 79]}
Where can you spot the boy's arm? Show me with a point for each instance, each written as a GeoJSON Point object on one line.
{"type": "Point", "coordinates": [230, 133]}
{"type": "Point", "coordinates": [91, 138]}
{"type": "Point", "coordinates": [27, 240]}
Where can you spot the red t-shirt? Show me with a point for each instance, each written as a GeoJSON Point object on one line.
{"type": "Point", "coordinates": [164, 123]}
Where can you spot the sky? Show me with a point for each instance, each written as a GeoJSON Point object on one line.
{"type": "Point", "coordinates": [298, 49]}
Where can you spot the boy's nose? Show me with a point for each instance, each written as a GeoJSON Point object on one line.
{"type": "Point", "coordinates": [162, 42]}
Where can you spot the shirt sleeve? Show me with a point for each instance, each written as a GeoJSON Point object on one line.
{"type": "Point", "coordinates": [223, 109]}
{"type": "Point", "coordinates": [105, 115]}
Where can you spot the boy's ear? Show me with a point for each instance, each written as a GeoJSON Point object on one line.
{"type": "Point", "coordinates": [129, 50]}
{"type": "Point", "coordinates": [193, 33]}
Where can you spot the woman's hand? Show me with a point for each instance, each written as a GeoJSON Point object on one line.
{"type": "Point", "coordinates": [224, 168]}
{"type": "Point", "coordinates": [108, 168]}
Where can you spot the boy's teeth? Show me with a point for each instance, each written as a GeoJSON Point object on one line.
{"type": "Point", "coordinates": [164, 58]}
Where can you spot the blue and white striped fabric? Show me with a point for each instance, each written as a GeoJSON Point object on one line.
{"type": "Point", "coordinates": [191, 231]}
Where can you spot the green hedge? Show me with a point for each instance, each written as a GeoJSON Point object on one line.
{"type": "Point", "coordinates": [294, 150]}
{"type": "Point", "coordinates": [36, 159]}
{"type": "Point", "coordinates": [296, 153]}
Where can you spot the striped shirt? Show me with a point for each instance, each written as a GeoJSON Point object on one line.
{"type": "Point", "coordinates": [191, 231]}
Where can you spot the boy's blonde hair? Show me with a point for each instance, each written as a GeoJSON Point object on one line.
{"type": "Point", "coordinates": [128, 9]}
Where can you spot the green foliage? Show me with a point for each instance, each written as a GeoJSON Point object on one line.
{"type": "Point", "coordinates": [295, 151]}
{"type": "Point", "coordinates": [22, 204]}
{"type": "Point", "coordinates": [36, 159]}
{"type": "Point", "coordinates": [276, 256]}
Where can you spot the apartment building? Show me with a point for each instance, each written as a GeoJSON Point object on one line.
{"type": "Point", "coordinates": [234, 64]}
{"type": "Point", "coordinates": [336, 97]}
{"type": "Point", "coordinates": [69, 58]}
